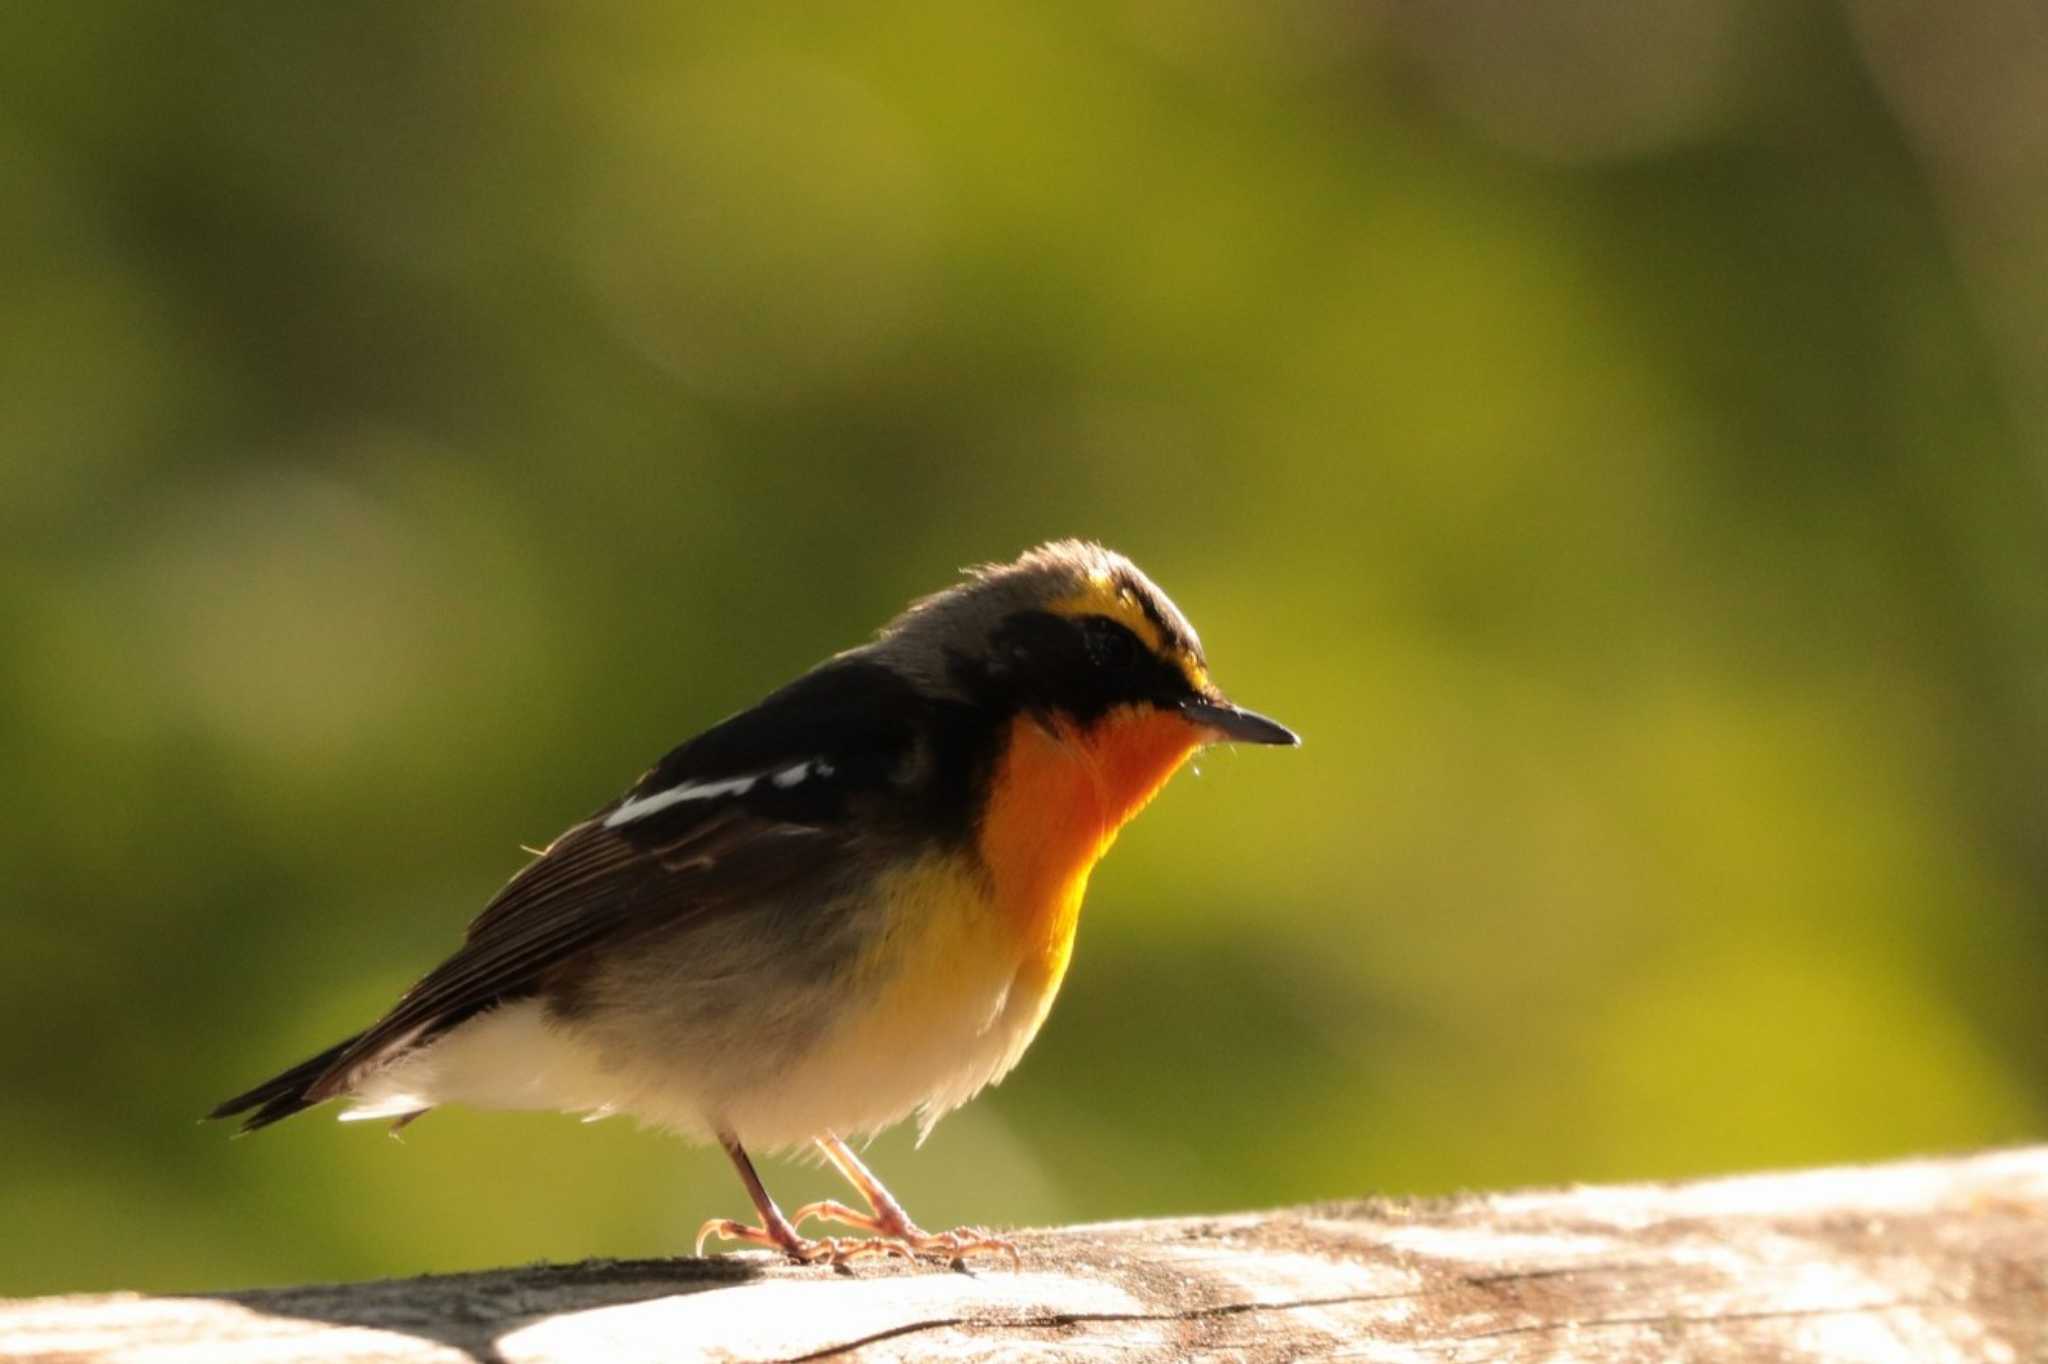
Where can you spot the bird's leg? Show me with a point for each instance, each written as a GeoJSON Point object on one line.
{"type": "Point", "coordinates": [886, 1217]}
{"type": "Point", "coordinates": [776, 1231]}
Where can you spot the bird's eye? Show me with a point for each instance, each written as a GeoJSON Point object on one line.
{"type": "Point", "coordinates": [1109, 644]}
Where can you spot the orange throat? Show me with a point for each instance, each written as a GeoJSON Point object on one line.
{"type": "Point", "coordinates": [1058, 799]}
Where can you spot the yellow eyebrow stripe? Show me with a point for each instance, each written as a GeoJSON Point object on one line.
{"type": "Point", "coordinates": [1104, 596]}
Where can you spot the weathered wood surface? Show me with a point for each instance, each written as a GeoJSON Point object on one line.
{"type": "Point", "coordinates": [1922, 1262]}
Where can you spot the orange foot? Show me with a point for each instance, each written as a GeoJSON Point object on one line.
{"type": "Point", "coordinates": [891, 1228]}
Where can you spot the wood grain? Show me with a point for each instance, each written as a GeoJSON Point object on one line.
{"type": "Point", "coordinates": [1919, 1262]}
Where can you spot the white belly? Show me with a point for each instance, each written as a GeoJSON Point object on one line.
{"type": "Point", "coordinates": [889, 1052]}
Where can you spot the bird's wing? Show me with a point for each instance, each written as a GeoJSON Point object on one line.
{"type": "Point", "coordinates": [768, 802]}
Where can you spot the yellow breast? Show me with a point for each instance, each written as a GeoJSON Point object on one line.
{"type": "Point", "coordinates": [967, 970]}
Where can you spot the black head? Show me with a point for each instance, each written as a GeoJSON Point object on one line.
{"type": "Point", "coordinates": [1073, 632]}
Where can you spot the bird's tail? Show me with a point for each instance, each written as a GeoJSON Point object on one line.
{"type": "Point", "coordinates": [283, 1095]}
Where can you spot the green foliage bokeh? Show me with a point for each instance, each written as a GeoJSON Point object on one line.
{"type": "Point", "coordinates": [419, 417]}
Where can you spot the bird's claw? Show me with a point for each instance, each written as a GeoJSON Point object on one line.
{"type": "Point", "coordinates": [826, 1250]}
{"type": "Point", "coordinates": [956, 1245]}
{"type": "Point", "coordinates": [909, 1238]}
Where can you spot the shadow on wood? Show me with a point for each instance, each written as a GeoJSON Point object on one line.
{"type": "Point", "coordinates": [1921, 1262]}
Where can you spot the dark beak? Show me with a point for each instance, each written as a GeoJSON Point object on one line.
{"type": "Point", "coordinates": [1237, 725]}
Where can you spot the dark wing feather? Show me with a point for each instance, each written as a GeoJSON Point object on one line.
{"type": "Point", "coordinates": [598, 885]}
{"type": "Point", "coordinates": [591, 887]}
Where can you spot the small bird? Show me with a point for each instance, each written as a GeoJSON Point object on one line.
{"type": "Point", "coordinates": [848, 904]}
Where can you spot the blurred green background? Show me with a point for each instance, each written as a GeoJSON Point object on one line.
{"type": "Point", "coordinates": [1613, 434]}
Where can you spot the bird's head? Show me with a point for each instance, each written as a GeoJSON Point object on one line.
{"type": "Point", "coordinates": [1077, 637]}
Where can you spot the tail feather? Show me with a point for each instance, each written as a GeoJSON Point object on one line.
{"type": "Point", "coordinates": [283, 1095]}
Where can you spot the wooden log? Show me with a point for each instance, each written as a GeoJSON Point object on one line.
{"type": "Point", "coordinates": [1920, 1262]}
